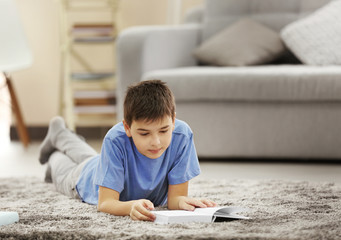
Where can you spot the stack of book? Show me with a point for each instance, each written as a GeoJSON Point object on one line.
{"type": "Point", "coordinates": [93, 33]}
{"type": "Point", "coordinates": [94, 102]}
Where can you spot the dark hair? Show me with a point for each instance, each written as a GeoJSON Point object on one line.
{"type": "Point", "coordinates": [148, 100]}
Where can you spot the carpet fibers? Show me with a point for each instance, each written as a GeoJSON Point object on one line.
{"type": "Point", "coordinates": [279, 210]}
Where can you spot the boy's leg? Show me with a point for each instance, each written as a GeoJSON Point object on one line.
{"type": "Point", "coordinates": [65, 173]}
{"type": "Point", "coordinates": [62, 139]}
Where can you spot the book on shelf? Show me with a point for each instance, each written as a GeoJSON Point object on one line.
{"type": "Point", "coordinates": [97, 29]}
{"type": "Point", "coordinates": [94, 97]}
{"type": "Point", "coordinates": [94, 39]}
{"type": "Point", "coordinates": [92, 26]}
{"type": "Point", "coordinates": [91, 75]}
{"type": "Point", "coordinates": [95, 109]}
{"type": "Point", "coordinates": [94, 101]}
{"type": "Point", "coordinates": [93, 32]}
{"type": "Point", "coordinates": [93, 94]}
{"type": "Point", "coordinates": [202, 215]}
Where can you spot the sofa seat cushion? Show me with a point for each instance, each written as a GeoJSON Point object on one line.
{"type": "Point", "coordinates": [252, 83]}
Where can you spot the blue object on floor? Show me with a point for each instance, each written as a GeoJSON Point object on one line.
{"type": "Point", "coordinates": [8, 218]}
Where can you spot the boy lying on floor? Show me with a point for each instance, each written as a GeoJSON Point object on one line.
{"type": "Point", "coordinates": [147, 160]}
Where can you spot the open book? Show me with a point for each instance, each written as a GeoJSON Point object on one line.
{"type": "Point", "coordinates": [205, 215]}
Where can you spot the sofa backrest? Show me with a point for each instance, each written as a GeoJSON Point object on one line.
{"type": "Point", "coordinates": [218, 14]}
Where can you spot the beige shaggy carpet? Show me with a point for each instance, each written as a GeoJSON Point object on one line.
{"type": "Point", "coordinates": [280, 210]}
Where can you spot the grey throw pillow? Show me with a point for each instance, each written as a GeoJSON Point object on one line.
{"type": "Point", "coordinates": [245, 42]}
{"type": "Point", "coordinates": [316, 39]}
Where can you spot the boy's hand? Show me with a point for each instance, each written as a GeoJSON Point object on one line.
{"type": "Point", "coordinates": [190, 204]}
{"type": "Point", "coordinates": [140, 210]}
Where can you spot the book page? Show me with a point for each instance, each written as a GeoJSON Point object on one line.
{"type": "Point", "coordinates": [198, 215]}
{"type": "Point", "coordinates": [208, 211]}
{"type": "Point", "coordinates": [230, 212]}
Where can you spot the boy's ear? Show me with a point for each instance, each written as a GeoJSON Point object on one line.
{"type": "Point", "coordinates": [126, 128]}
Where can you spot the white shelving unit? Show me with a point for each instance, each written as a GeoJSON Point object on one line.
{"type": "Point", "coordinates": [88, 32]}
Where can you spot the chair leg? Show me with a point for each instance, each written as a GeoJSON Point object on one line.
{"type": "Point", "coordinates": [20, 125]}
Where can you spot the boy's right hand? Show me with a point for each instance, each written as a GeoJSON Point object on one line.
{"type": "Point", "coordinates": [140, 210]}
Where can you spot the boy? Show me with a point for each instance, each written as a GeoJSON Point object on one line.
{"type": "Point", "coordinates": [145, 160]}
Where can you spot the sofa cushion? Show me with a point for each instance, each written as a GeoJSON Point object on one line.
{"type": "Point", "coordinates": [255, 83]}
{"type": "Point", "coordinates": [245, 42]}
{"type": "Point", "coordinates": [316, 39]}
{"type": "Point", "coordinates": [276, 14]}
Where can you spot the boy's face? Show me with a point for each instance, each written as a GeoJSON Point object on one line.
{"type": "Point", "coordinates": [151, 138]}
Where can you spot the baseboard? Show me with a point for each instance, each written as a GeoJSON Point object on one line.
{"type": "Point", "coordinates": [38, 133]}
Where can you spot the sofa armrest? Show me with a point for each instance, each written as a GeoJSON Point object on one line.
{"type": "Point", "coordinates": [146, 48]}
{"type": "Point", "coordinates": [194, 15]}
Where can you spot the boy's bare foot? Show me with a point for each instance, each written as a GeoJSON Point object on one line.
{"type": "Point", "coordinates": [56, 125]}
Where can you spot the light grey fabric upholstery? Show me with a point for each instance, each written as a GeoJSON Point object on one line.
{"type": "Point", "coordinates": [142, 49]}
{"type": "Point", "coordinates": [194, 15]}
{"type": "Point", "coordinates": [259, 111]}
{"type": "Point", "coordinates": [316, 39]}
{"type": "Point", "coordinates": [289, 83]}
{"type": "Point", "coordinates": [275, 14]}
{"type": "Point", "coordinates": [308, 130]}
{"type": "Point", "coordinates": [245, 42]}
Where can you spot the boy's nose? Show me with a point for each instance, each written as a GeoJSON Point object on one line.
{"type": "Point", "coordinates": [155, 141]}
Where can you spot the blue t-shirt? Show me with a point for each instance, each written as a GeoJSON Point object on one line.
{"type": "Point", "coordinates": [121, 167]}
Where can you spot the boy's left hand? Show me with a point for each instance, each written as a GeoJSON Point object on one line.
{"type": "Point", "coordinates": [190, 204]}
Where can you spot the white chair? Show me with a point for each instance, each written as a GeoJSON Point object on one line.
{"type": "Point", "coordinates": [14, 55]}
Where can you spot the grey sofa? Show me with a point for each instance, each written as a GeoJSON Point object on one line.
{"type": "Point", "coordinates": [263, 111]}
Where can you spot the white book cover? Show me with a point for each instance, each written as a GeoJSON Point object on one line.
{"type": "Point", "coordinates": [203, 215]}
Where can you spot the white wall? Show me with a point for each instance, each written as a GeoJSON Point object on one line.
{"type": "Point", "coordinates": [38, 87]}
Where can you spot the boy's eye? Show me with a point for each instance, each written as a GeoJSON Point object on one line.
{"type": "Point", "coordinates": [164, 131]}
{"type": "Point", "coordinates": [143, 134]}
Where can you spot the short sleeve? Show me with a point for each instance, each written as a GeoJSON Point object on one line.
{"type": "Point", "coordinates": [110, 169]}
{"type": "Point", "coordinates": [186, 165]}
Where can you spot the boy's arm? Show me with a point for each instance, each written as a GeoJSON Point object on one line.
{"type": "Point", "coordinates": [178, 199]}
{"type": "Point", "coordinates": [108, 202]}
